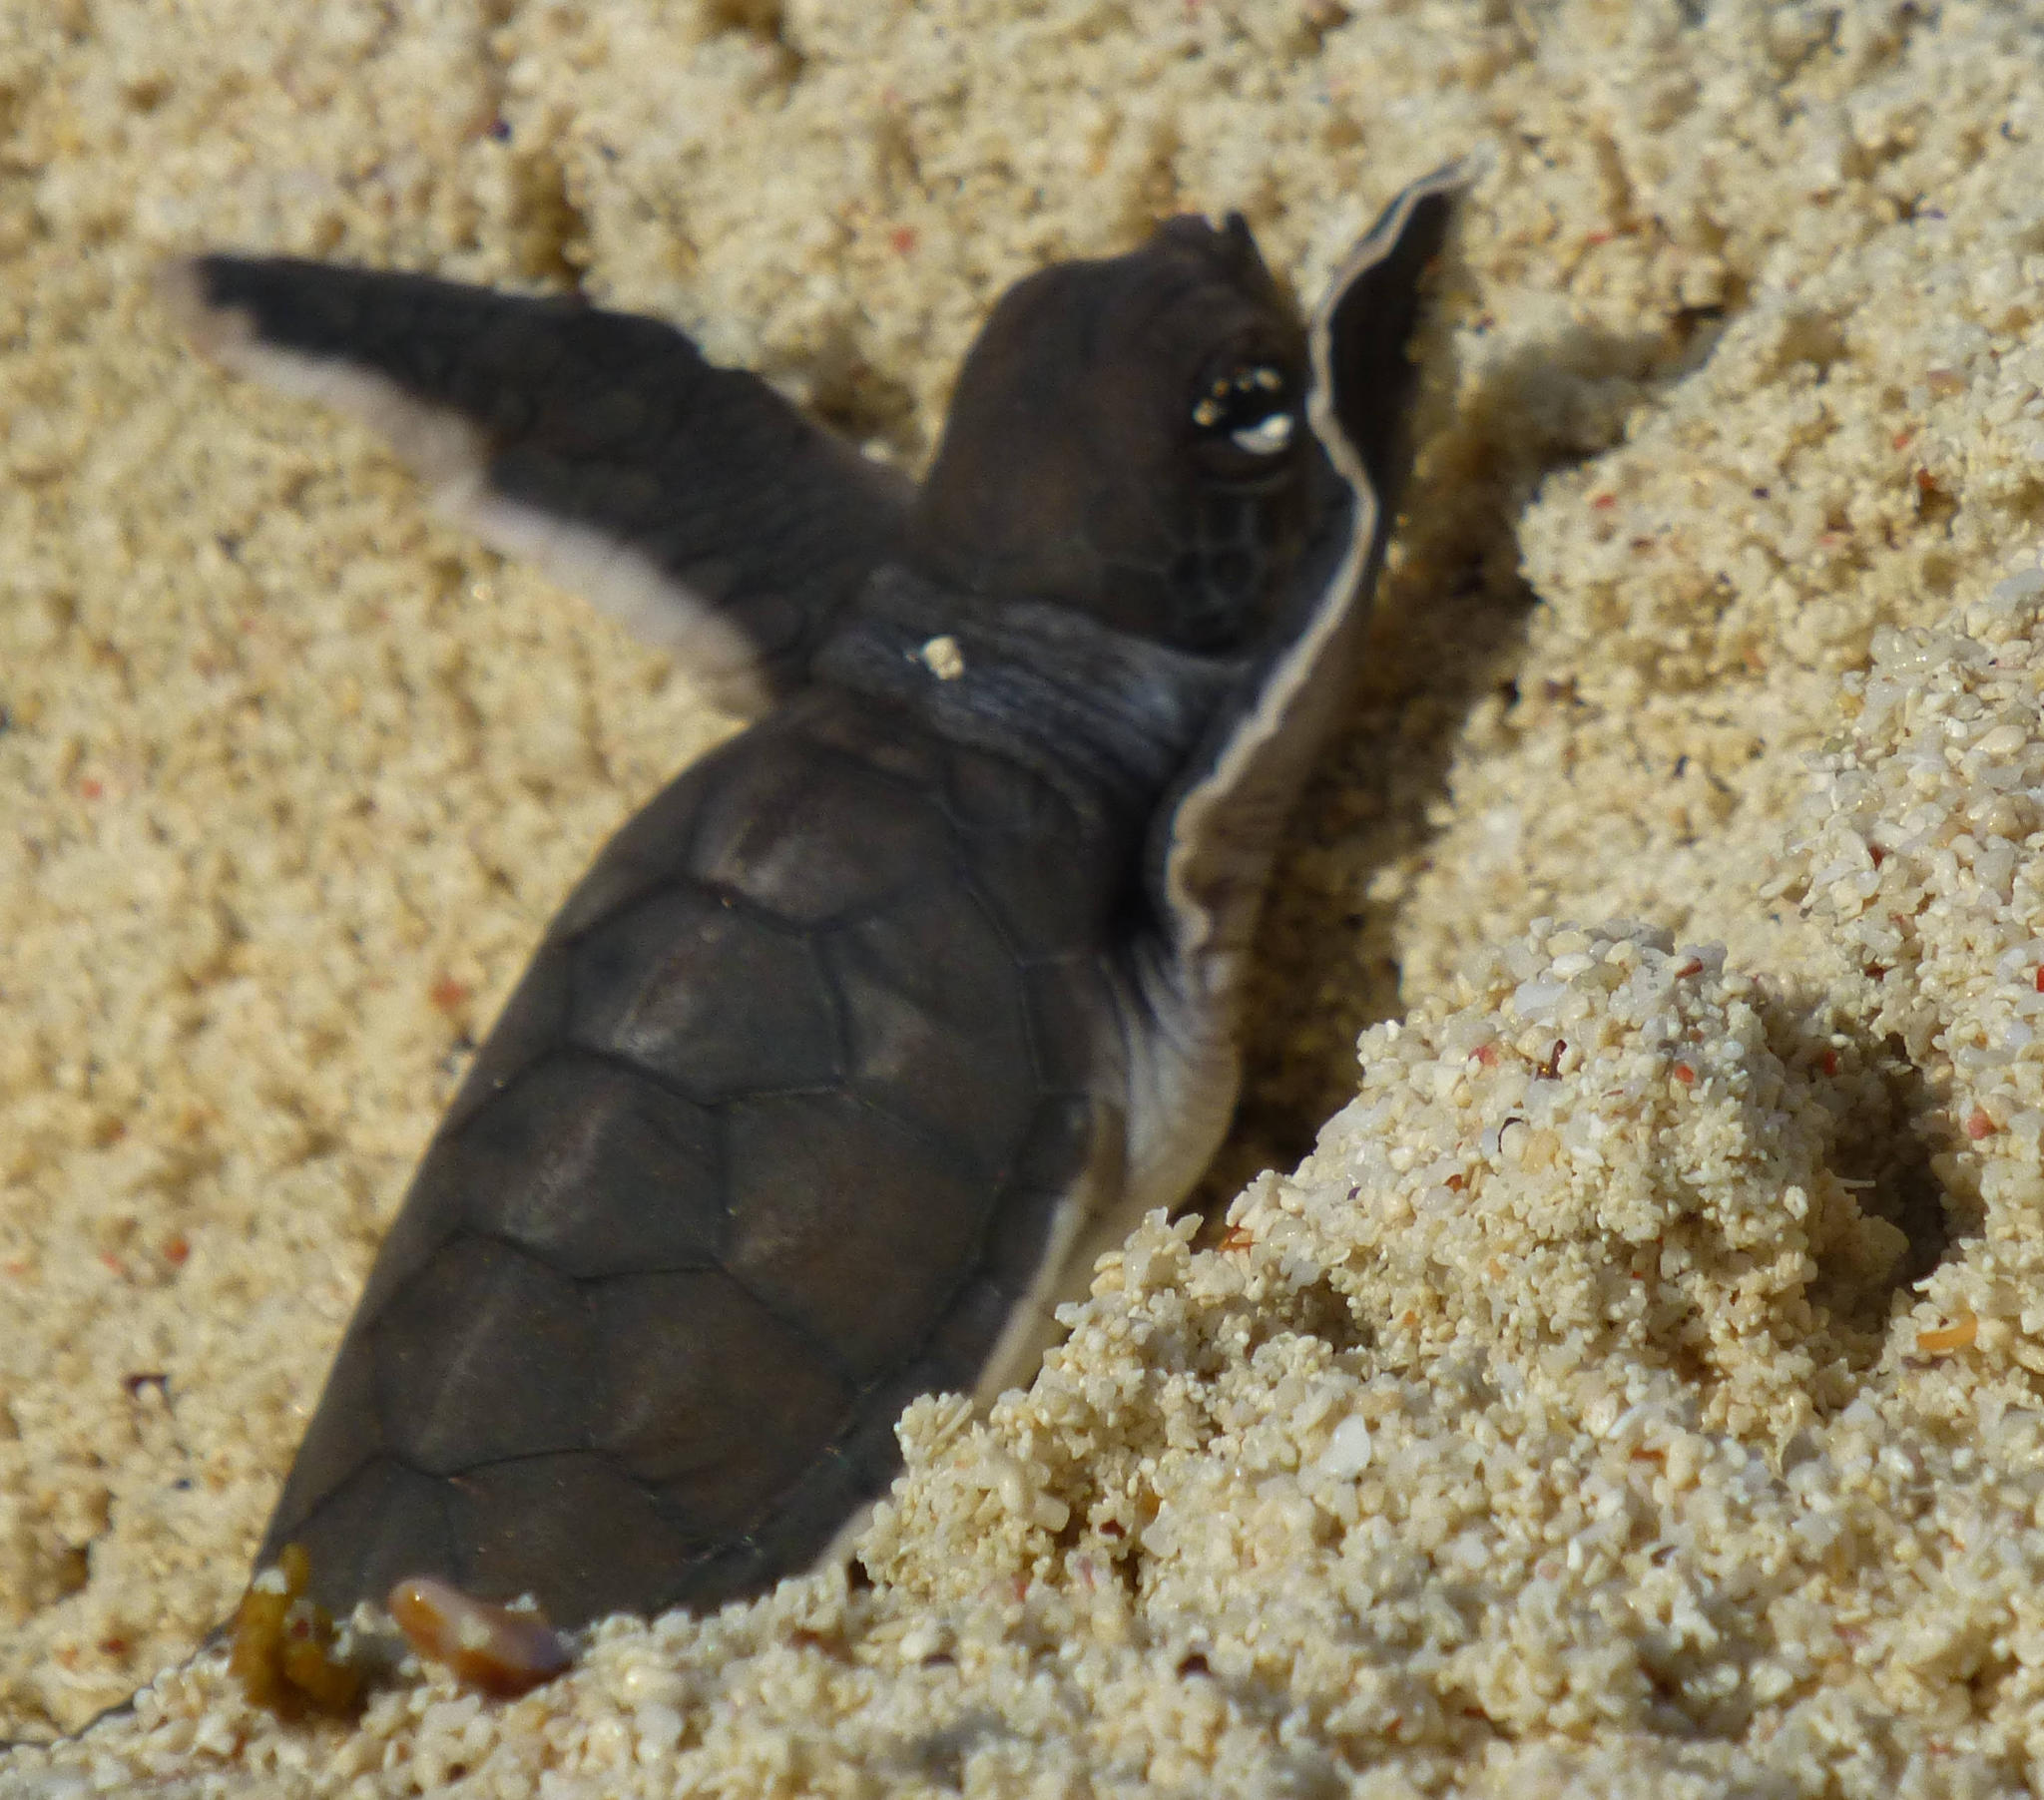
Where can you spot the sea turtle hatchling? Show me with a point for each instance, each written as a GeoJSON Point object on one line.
{"type": "Point", "coordinates": [871, 1030]}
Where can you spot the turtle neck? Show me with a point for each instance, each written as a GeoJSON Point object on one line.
{"type": "Point", "coordinates": [1084, 705]}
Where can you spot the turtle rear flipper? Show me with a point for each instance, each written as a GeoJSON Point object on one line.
{"type": "Point", "coordinates": [689, 500]}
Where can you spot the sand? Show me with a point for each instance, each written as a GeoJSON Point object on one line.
{"type": "Point", "coordinates": [1639, 1388]}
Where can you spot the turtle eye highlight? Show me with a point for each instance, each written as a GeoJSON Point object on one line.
{"type": "Point", "coordinates": [1266, 436]}
{"type": "Point", "coordinates": [1247, 405]}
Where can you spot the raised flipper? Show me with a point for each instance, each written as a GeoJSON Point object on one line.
{"type": "Point", "coordinates": [1211, 843]}
{"type": "Point", "coordinates": [694, 502]}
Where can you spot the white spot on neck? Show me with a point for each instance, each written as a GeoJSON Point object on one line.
{"type": "Point", "coordinates": [942, 657]}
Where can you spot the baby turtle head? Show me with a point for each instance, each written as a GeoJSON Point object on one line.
{"type": "Point", "coordinates": [1128, 437]}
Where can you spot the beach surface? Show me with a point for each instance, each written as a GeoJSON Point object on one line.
{"type": "Point", "coordinates": [1617, 1366]}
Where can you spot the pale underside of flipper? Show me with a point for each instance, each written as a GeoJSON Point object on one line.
{"type": "Point", "coordinates": [692, 502]}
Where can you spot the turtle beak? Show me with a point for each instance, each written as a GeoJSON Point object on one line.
{"type": "Point", "coordinates": [1228, 246]}
{"type": "Point", "coordinates": [1237, 247]}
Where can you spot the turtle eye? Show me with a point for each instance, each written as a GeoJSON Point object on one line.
{"type": "Point", "coordinates": [1247, 404]}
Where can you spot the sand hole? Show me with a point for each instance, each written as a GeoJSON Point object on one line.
{"type": "Point", "coordinates": [1890, 1129]}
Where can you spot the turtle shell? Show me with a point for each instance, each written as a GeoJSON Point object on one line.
{"type": "Point", "coordinates": [773, 1136]}
{"type": "Point", "coordinates": [868, 1031]}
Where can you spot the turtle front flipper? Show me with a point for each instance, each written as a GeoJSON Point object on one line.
{"type": "Point", "coordinates": [691, 500]}
{"type": "Point", "coordinates": [1212, 842]}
